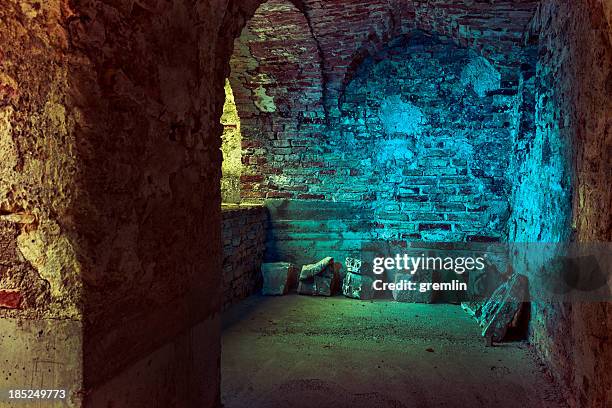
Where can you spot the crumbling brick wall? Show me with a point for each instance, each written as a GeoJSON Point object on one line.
{"type": "Point", "coordinates": [278, 87]}
{"type": "Point", "coordinates": [312, 53]}
{"type": "Point", "coordinates": [424, 141]}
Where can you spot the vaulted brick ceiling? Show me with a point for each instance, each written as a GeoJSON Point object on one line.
{"type": "Point", "coordinates": [348, 30]}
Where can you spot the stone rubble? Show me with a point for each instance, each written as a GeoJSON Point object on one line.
{"type": "Point", "coordinates": [500, 312]}
{"type": "Point", "coordinates": [316, 279]}
{"type": "Point", "coordinates": [358, 286]}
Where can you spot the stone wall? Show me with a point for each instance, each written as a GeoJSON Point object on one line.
{"type": "Point", "coordinates": [306, 231]}
{"type": "Point", "coordinates": [109, 196]}
{"type": "Point", "coordinates": [278, 87]}
{"type": "Point", "coordinates": [244, 237]}
{"type": "Point", "coordinates": [40, 276]}
{"type": "Point", "coordinates": [562, 191]}
{"type": "Point", "coordinates": [424, 142]}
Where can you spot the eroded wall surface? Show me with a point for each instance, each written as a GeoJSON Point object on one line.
{"type": "Point", "coordinates": [109, 194]}
{"type": "Point", "coordinates": [562, 191]}
{"type": "Point", "coordinates": [40, 274]}
{"type": "Point", "coordinates": [38, 163]}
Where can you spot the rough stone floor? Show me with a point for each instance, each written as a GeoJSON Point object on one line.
{"type": "Point", "coordinates": [296, 351]}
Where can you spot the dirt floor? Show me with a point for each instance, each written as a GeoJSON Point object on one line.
{"type": "Point", "coordinates": [296, 351]}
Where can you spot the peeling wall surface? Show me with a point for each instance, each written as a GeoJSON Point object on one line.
{"type": "Point", "coordinates": [38, 163]}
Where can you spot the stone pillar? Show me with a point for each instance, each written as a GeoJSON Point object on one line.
{"type": "Point", "coordinates": [110, 201]}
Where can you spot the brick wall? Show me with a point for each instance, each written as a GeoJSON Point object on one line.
{"type": "Point", "coordinates": [443, 178]}
{"type": "Point", "coordinates": [277, 83]}
{"type": "Point", "coordinates": [424, 140]}
{"type": "Point", "coordinates": [244, 235]}
{"type": "Point", "coordinates": [347, 30]}
{"type": "Point", "coordinates": [313, 54]}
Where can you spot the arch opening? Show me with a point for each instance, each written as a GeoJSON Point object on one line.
{"type": "Point", "coordinates": [231, 147]}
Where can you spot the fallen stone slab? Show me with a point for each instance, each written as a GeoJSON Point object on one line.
{"type": "Point", "coordinates": [357, 286]}
{"type": "Point", "coordinates": [501, 311]}
{"type": "Point", "coordinates": [277, 277]}
{"type": "Point", "coordinates": [319, 268]}
{"type": "Point", "coordinates": [316, 279]}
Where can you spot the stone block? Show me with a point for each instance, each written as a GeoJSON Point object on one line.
{"type": "Point", "coordinates": [501, 311]}
{"type": "Point", "coordinates": [316, 279]}
{"type": "Point", "coordinates": [357, 286]}
{"type": "Point", "coordinates": [353, 265]}
{"type": "Point", "coordinates": [317, 286]}
{"type": "Point", "coordinates": [277, 277]}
